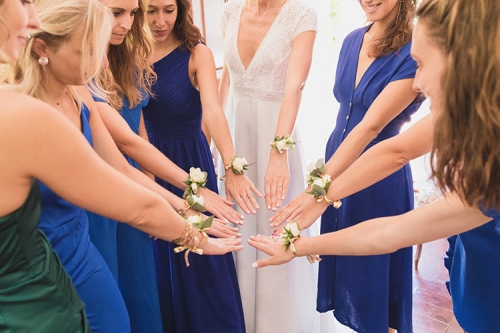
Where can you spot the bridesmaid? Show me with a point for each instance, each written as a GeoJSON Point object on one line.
{"type": "Point", "coordinates": [186, 85]}
{"type": "Point", "coordinates": [37, 142]}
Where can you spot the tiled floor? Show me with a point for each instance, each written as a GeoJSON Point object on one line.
{"type": "Point", "coordinates": [431, 301]}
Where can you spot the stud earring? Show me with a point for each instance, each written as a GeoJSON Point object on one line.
{"type": "Point", "coordinates": [43, 61]}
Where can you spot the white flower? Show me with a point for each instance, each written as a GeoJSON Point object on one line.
{"type": "Point", "coordinates": [239, 163]}
{"type": "Point", "coordinates": [293, 228]}
{"type": "Point", "coordinates": [281, 145]}
{"type": "Point", "coordinates": [198, 199]}
{"type": "Point", "coordinates": [194, 187]}
{"type": "Point", "coordinates": [311, 167]}
{"type": "Point", "coordinates": [326, 179]}
{"type": "Point", "coordinates": [196, 175]}
{"type": "Point", "coordinates": [195, 219]}
{"type": "Point", "coordinates": [320, 182]}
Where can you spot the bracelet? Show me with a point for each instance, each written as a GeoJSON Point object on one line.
{"type": "Point", "coordinates": [320, 183]}
{"type": "Point", "coordinates": [183, 211]}
{"type": "Point", "coordinates": [186, 238]}
{"type": "Point", "coordinates": [282, 143]}
{"type": "Point", "coordinates": [291, 232]}
{"type": "Point", "coordinates": [336, 204]}
{"type": "Point", "coordinates": [196, 180]}
{"type": "Point", "coordinates": [238, 165]}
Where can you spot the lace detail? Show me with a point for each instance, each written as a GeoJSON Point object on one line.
{"type": "Point", "coordinates": [265, 77]}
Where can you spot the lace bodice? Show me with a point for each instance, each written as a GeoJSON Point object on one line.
{"type": "Point", "coordinates": [265, 77]}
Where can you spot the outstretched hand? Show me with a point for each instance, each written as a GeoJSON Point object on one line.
{"type": "Point", "coordinates": [220, 207]}
{"type": "Point", "coordinates": [276, 181]}
{"type": "Point", "coordinates": [292, 210]}
{"type": "Point", "coordinates": [219, 246]}
{"type": "Point", "coordinates": [273, 247]}
{"type": "Point", "coordinates": [220, 229]}
{"type": "Point", "coordinates": [242, 190]}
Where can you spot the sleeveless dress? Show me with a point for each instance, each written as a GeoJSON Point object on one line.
{"type": "Point", "coordinates": [281, 296]}
{"type": "Point", "coordinates": [369, 293]}
{"type": "Point", "coordinates": [203, 297]}
{"type": "Point", "coordinates": [36, 294]}
{"type": "Point", "coordinates": [474, 265]}
{"type": "Point", "coordinates": [129, 251]}
{"type": "Point", "coordinates": [67, 228]}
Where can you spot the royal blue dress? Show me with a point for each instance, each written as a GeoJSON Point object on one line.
{"type": "Point", "coordinates": [130, 252]}
{"type": "Point", "coordinates": [474, 266]}
{"type": "Point", "coordinates": [205, 296]}
{"type": "Point", "coordinates": [369, 293]}
{"type": "Point", "coordinates": [67, 228]}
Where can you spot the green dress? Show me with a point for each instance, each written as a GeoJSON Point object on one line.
{"type": "Point", "coordinates": [36, 294]}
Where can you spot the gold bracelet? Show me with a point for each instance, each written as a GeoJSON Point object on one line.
{"type": "Point", "coordinates": [311, 258]}
{"type": "Point", "coordinates": [183, 211]}
{"type": "Point", "coordinates": [187, 236]}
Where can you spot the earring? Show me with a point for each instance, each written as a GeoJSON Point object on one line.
{"type": "Point", "coordinates": [43, 61]}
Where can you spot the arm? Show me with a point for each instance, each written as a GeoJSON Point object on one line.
{"type": "Point", "coordinates": [61, 152]}
{"type": "Point", "coordinates": [278, 175]}
{"type": "Point", "coordinates": [149, 158]}
{"type": "Point", "coordinates": [448, 216]}
{"type": "Point", "coordinates": [238, 187]}
{"type": "Point", "coordinates": [144, 134]}
{"type": "Point", "coordinates": [375, 164]}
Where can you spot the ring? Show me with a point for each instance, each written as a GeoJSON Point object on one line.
{"type": "Point", "coordinates": [229, 241]}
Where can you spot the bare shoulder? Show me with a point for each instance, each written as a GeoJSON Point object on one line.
{"type": "Point", "coordinates": [202, 51]}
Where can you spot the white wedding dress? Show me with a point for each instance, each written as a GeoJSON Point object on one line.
{"type": "Point", "coordinates": [282, 298]}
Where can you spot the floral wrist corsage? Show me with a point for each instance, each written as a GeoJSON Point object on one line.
{"type": "Point", "coordinates": [196, 179]}
{"type": "Point", "coordinates": [193, 202]}
{"type": "Point", "coordinates": [193, 222]}
{"type": "Point", "coordinates": [282, 143]}
{"type": "Point", "coordinates": [320, 183]}
{"type": "Point", "coordinates": [238, 165]}
{"type": "Point", "coordinates": [290, 233]}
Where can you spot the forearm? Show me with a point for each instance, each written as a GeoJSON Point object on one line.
{"type": "Point", "coordinates": [440, 219]}
{"type": "Point", "coordinates": [219, 131]}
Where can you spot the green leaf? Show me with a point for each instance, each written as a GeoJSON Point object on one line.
{"type": "Point", "coordinates": [198, 207]}
{"type": "Point", "coordinates": [319, 191]}
{"type": "Point", "coordinates": [204, 224]}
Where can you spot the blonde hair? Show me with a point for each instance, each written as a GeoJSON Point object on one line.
{"type": "Point", "coordinates": [129, 74]}
{"type": "Point", "coordinates": [3, 27]}
{"type": "Point", "coordinates": [58, 21]}
{"type": "Point", "coordinates": [466, 149]}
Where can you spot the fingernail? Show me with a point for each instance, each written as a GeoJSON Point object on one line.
{"type": "Point", "coordinates": [254, 212]}
{"type": "Point", "coordinates": [268, 207]}
{"type": "Point", "coordinates": [239, 235]}
{"type": "Point", "coordinates": [255, 265]}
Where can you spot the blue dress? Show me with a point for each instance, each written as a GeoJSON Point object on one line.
{"type": "Point", "coordinates": [130, 252]}
{"type": "Point", "coordinates": [205, 296]}
{"type": "Point", "coordinates": [67, 228]}
{"type": "Point", "coordinates": [369, 293]}
{"type": "Point", "coordinates": [474, 266]}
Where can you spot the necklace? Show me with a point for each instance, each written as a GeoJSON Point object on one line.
{"type": "Point", "coordinates": [265, 16]}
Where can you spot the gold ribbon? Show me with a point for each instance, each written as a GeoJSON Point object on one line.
{"type": "Point", "coordinates": [188, 249]}
{"type": "Point", "coordinates": [336, 204]}
{"type": "Point", "coordinates": [311, 258]}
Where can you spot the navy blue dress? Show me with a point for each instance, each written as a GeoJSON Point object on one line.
{"type": "Point", "coordinates": [130, 252]}
{"type": "Point", "coordinates": [205, 296]}
{"type": "Point", "coordinates": [474, 266]}
{"type": "Point", "coordinates": [369, 293]}
{"type": "Point", "coordinates": [67, 228]}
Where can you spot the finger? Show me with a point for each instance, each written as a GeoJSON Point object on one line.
{"type": "Point", "coordinates": [279, 191]}
{"type": "Point", "coordinates": [255, 190]}
{"type": "Point", "coordinates": [284, 192]}
{"type": "Point", "coordinates": [226, 230]}
{"type": "Point", "coordinates": [263, 239]}
{"type": "Point", "coordinates": [274, 185]}
{"type": "Point", "coordinates": [267, 190]}
{"type": "Point", "coordinates": [221, 221]}
{"type": "Point", "coordinates": [252, 201]}
{"type": "Point", "coordinates": [262, 263]}
{"type": "Point", "coordinates": [235, 248]}
{"type": "Point", "coordinates": [240, 200]}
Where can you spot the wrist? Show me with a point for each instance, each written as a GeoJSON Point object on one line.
{"type": "Point", "coordinates": [282, 144]}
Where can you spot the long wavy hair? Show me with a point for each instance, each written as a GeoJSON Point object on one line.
{"type": "Point", "coordinates": [4, 30]}
{"type": "Point", "coordinates": [396, 34]}
{"type": "Point", "coordinates": [129, 74]}
{"type": "Point", "coordinates": [59, 19]}
{"type": "Point", "coordinates": [466, 150]}
{"type": "Point", "coordinates": [184, 29]}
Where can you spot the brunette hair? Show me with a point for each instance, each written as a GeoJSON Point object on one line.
{"type": "Point", "coordinates": [184, 29]}
{"type": "Point", "coordinates": [466, 149]}
{"type": "Point", "coordinates": [129, 74]}
{"type": "Point", "coordinates": [396, 34]}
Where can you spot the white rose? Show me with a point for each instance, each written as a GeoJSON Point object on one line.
{"type": "Point", "coordinates": [194, 187]}
{"type": "Point", "coordinates": [311, 167]}
{"type": "Point", "coordinates": [196, 175]}
{"type": "Point", "coordinates": [326, 179]}
{"type": "Point", "coordinates": [281, 145]}
{"type": "Point", "coordinates": [294, 228]}
{"type": "Point", "coordinates": [194, 219]}
{"type": "Point", "coordinates": [319, 182]}
{"type": "Point", "coordinates": [239, 163]}
{"type": "Point", "coordinates": [198, 199]}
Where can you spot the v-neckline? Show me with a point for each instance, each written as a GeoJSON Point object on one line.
{"type": "Point", "coordinates": [261, 42]}
{"type": "Point", "coordinates": [356, 86]}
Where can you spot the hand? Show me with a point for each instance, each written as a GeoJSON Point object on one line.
{"type": "Point", "coordinates": [220, 229]}
{"type": "Point", "coordinates": [275, 249]}
{"type": "Point", "coordinates": [292, 210]}
{"type": "Point", "coordinates": [218, 246]}
{"type": "Point", "coordinates": [276, 180]}
{"type": "Point", "coordinates": [240, 188]}
{"type": "Point", "coordinates": [220, 207]}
